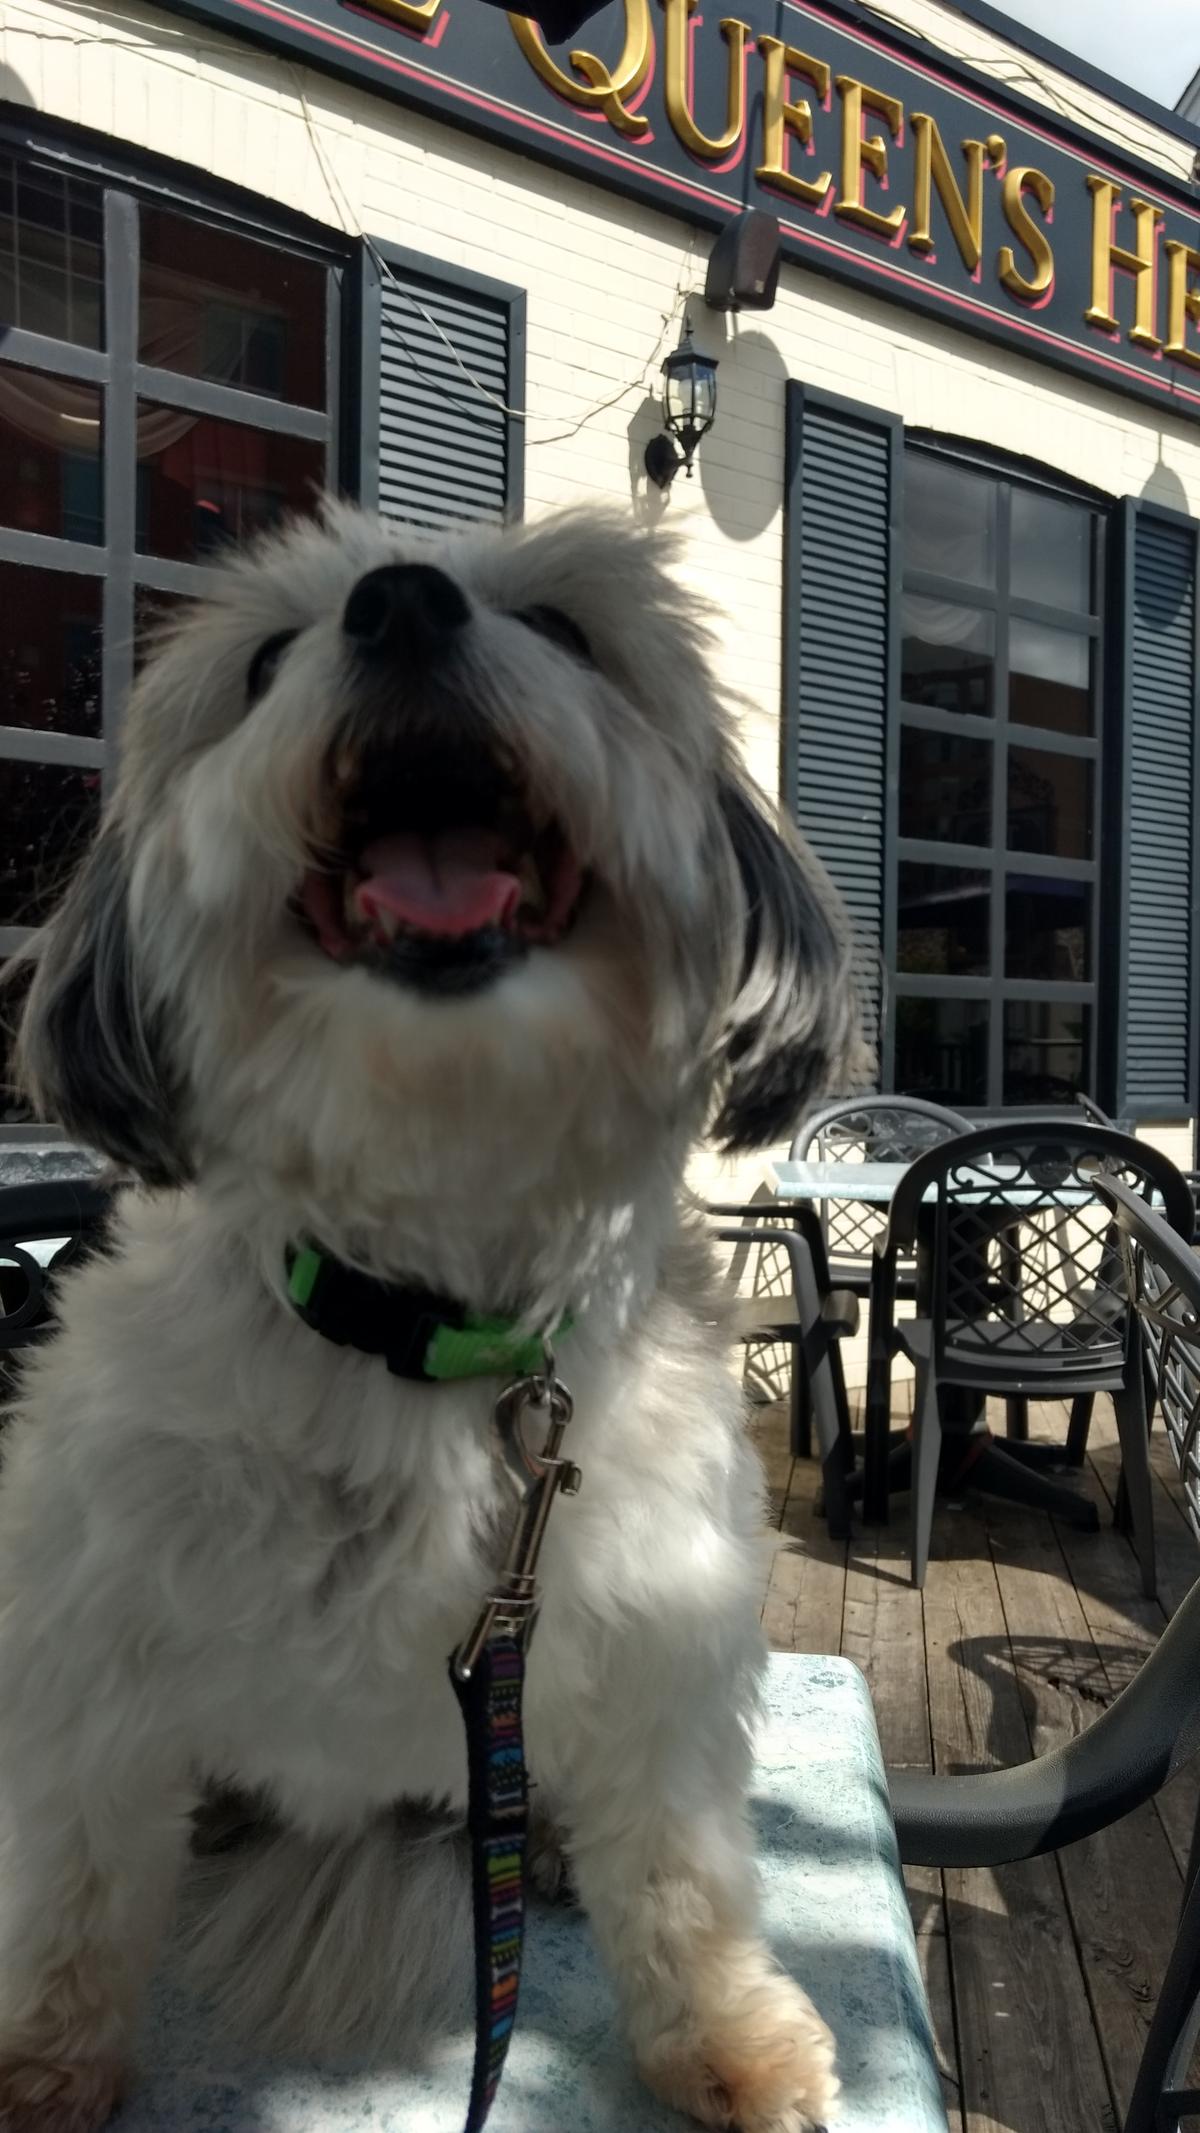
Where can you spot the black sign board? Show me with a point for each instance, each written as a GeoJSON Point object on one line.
{"type": "Point", "coordinates": [897, 170]}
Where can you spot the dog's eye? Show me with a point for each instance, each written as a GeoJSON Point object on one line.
{"type": "Point", "coordinates": [551, 623]}
{"type": "Point", "coordinates": [265, 664]}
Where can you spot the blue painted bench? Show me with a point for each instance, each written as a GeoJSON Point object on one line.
{"type": "Point", "coordinates": [836, 1914]}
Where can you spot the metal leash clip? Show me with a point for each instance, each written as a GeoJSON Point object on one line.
{"type": "Point", "coordinates": [536, 1478]}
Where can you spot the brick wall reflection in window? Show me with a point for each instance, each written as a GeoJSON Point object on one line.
{"type": "Point", "coordinates": [202, 483]}
{"type": "Point", "coordinates": [217, 305]}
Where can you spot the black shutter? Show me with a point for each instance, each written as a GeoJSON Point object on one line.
{"type": "Point", "coordinates": [1152, 821]}
{"type": "Point", "coordinates": [443, 380]}
{"type": "Point", "coordinates": [843, 477]}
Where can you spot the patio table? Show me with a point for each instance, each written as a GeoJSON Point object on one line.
{"type": "Point", "coordinates": [874, 1182]}
{"type": "Point", "coordinates": [964, 1413]}
{"type": "Point", "coordinates": [877, 1183]}
{"type": "Point", "coordinates": [836, 1915]}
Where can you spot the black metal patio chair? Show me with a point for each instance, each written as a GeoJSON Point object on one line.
{"type": "Point", "coordinates": [1146, 1735]}
{"type": "Point", "coordinates": [868, 1129]}
{"type": "Point", "coordinates": [67, 1218]}
{"type": "Point", "coordinates": [1021, 1296]}
{"type": "Point", "coordinates": [811, 1318]}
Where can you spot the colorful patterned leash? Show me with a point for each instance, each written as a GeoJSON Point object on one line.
{"type": "Point", "coordinates": [488, 1673]}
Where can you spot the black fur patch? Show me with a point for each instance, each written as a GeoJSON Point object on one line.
{"type": "Point", "coordinates": [91, 1050]}
{"type": "Point", "coordinates": [793, 1033]}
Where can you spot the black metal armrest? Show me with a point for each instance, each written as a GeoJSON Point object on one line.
{"type": "Point", "coordinates": [837, 1309]}
{"type": "Point", "coordinates": [802, 1216]}
{"type": "Point", "coordinates": [1124, 1758]}
{"type": "Point", "coordinates": [841, 1312]}
{"type": "Point", "coordinates": [798, 1212]}
{"type": "Point", "coordinates": [786, 1240]}
{"type": "Point", "coordinates": [742, 1207]}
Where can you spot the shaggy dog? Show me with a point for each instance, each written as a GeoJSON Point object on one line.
{"type": "Point", "coordinates": [432, 919]}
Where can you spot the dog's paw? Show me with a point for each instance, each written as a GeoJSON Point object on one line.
{"type": "Point", "coordinates": [58, 2096]}
{"type": "Point", "coordinates": [764, 2064]}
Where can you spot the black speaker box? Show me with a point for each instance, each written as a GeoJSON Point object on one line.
{"type": "Point", "coordinates": [743, 266]}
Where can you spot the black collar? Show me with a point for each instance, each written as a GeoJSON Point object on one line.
{"type": "Point", "coordinates": [418, 1333]}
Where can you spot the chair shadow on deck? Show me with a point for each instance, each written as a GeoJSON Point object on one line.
{"type": "Point", "coordinates": [1091, 1675]}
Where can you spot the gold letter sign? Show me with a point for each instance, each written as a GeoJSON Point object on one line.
{"type": "Point", "coordinates": [901, 188]}
{"type": "Point", "coordinates": [782, 117]}
{"type": "Point", "coordinates": [1018, 181]}
{"type": "Point", "coordinates": [1140, 262]}
{"type": "Point", "coordinates": [1183, 301]}
{"type": "Point", "coordinates": [934, 172]}
{"type": "Point", "coordinates": [676, 85]}
{"type": "Point", "coordinates": [605, 91]}
{"type": "Point", "coordinates": [861, 153]}
{"type": "Point", "coordinates": [414, 14]}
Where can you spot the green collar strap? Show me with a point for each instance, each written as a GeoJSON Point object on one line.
{"type": "Point", "coordinates": [420, 1334]}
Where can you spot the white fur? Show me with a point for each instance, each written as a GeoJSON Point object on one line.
{"type": "Point", "coordinates": [233, 1552]}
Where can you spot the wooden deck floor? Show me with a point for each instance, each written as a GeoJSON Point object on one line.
{"type": "Point", "coordinates": [1041, 1977]}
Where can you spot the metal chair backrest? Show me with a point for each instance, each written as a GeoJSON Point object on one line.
{"type": "Point", "coordinates": [1163, 1281]}
{"type": "Point", "coordinates": [1026, 1267]}
{"type": "Point", "coordinates": [66, 1218]}
{"type": "Point", "coordinates": [1080, 1107]}
{"type": "Point", "coordinates": [868, 1129]}
{"type": "Point", "coordinates": [1147, 1734]}
{"type": "Point", "coordinates": [1091, 1109]}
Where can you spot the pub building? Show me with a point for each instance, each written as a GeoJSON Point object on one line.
{"type": "Point", "coordinates": [947, 506]}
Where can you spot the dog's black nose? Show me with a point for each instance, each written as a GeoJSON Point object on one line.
{"type": "Point", "coordinates": [409, 610]}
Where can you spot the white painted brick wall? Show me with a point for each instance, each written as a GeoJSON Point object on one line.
{"type": "Point", "coordinates": [605, 281]}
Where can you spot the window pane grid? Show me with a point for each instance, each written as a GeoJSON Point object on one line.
{"type": "Point", "coordinates": [51, 253]}
{"type": "Point", "coordinates": [203, 483]}
{"type": "Point", "coordinates": [925, 718]}
{"type": "Point", "coordinates": [995, 844]}
{"type": "Point", "coordinates": [932, 586]}
{"type": "Point", "coordinates": [249, 373]}
{"type": "Point", "coordinates": [931, 987]}
{"type": "Point", "coordinates": [203, 397]}
{"type": "Point", "coordinates": [969, 855]}
{"type": "Point", "coordinates": [231, 309]}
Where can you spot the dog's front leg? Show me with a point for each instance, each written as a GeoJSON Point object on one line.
{"type": "Point", "coordinates": [92, 1838]}
{"type": "Point", "coordinates": [664, 1865]}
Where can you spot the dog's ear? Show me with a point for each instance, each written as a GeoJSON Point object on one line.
{"type": "Point", "coordinates": [90, 1049]}
{"type": "Point", "coordinates": [793, 1032]}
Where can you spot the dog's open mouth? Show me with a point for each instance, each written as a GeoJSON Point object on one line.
{"type": "Point", "coordinates": [446, 872]}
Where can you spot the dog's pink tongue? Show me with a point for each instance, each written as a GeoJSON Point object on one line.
{"type": "Point", "coordinates": [450, 884]}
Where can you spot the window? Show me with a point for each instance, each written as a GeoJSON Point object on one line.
{"type": "Point", "coordinates": [993, 872]}
{"type": "Point", "coordinates": [170, 382]}
{"type": "Point", "coordinates": [944, 751]}
{"type": "Point", "coordinates": [167, 383]}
